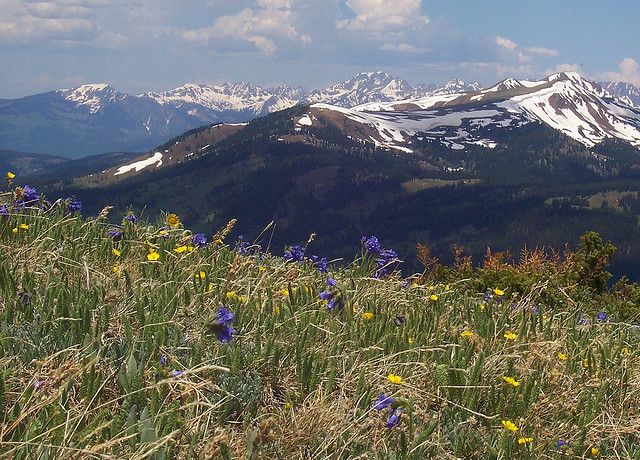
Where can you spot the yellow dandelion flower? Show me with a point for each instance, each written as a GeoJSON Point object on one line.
{"type": "Point", "coordinates": [432, 288]}
{"type": "Point", "coordinates": [10, 175]}
{"type": "Point", "coordinates": [180, 249]}
{"type": "Point", "coordinates": [201, 275]}
{"type": "Point", "coordinates": [115, 252]}
{"type": "Point", "coordinates": [446, 287]}
{"type": "Point", "coordinates": [231, 294]}
{"type": "Point", "coordinates": [395, 379]}
{"type": "Point", "coordinates": [261, 269]}
{"type": "Point", "coordinates": [367, 315]}
{"type": "Point", "coordinates": [173, 220]}
{"type": "Point", "coordinates": [510, 335]}
{"type": "Point", "coordinates": [594, 451]}
{"type": "Point", "coordinates": [498, 292]}
{"type": "Point", "coordinates": [523, 441]}
{"type": "Point", "coordinates": [153, 255]}
{"type": "Point", "coordinates": [466, 334]}
{"type": "Point", "coordinates": [562, 356]}
{"type": "Point", "coordinates": [218, 241]}
{"type": "Point", "coordinates": [243, 298]}
{"type": "Point", "coordinates": [410, 340]}
{"type": "Point", "coordinates": [511, 381]}
{"type": "Point", "coordinates": [116, 269]}
{"type": "Point", "coordinates": [284, 292]}
{"type": "Point", "coordinates": [24, 226]}
{"type": "Point", "coordinates": [14, 230]}
{"type": "Point", "coordinates": [509, 425]}
{"type": "Point", "coordinates": [433, 297]}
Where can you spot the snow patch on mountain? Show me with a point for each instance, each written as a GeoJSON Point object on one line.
{"type": "Point", "coordinates": [155, 159]}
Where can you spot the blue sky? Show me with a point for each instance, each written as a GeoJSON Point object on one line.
{"type": "Point", "coordinates": [141, 45]}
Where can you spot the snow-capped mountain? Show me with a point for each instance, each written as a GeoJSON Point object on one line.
{"type": "Point", "coordinates": [564, 101]}
{"type": "Point", "coordinates": [627, 92]}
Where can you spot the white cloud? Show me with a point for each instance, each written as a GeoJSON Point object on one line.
{"type": "Point", "coordinates": [628, 71]}
{"type": "Point", "coordinates": [506, 43]}
{"type": "Point", "coordinates": [522, 55]}
{"type": "Point", "coordinates": [384, 15]}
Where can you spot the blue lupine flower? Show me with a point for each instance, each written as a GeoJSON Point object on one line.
{"type": "Point", "coordinates": [383, 402]}
{"type": "Point", "coordinates": [371, 244]}
{"type": "Point", "coordinates": [322, 264]}
{"type": "Point", "coordinates": [602, 317]}
{"type": "Point", "coordinates": [26, 195]}
{"type": "Point", "coordinates": [326, 295]}
{"type": "Point", "coordinates": [225, 334]}
{"type": "Point", "coordinates": [4, 210]}
{"type": "Point", "coordinates": [242, 245]}
{"type": "Point", "coordinates": [335, 304]}
{"type": "Point", "coordinates": [295, 254]}
{"type": "Point", "coordinates": [199, 240]}
{"type": "Point", "coordinates": [331, 282]}
{"type": "Point", "coordinates": [394, 417]}
{"type": "Point", "coordinates": [225, 315]}
{"type": "Point", "coordinates": [73, 204]}
{"type": "Point", "coordinates": [131, 217]}
{"type": "Point", "coordinates": [221, 326]}
{"type": "Point", "coordinates": [115, 234]}
{"type": "Point", "coordinates": [163, 360]}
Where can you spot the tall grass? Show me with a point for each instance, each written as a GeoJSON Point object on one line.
{"type": "Point", "coordinates": [107, 354]}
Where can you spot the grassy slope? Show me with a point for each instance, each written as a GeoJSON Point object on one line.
{"type": "Point", "coordinates": [80, 344]}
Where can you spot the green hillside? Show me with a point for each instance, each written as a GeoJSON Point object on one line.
{"type": "Point", "coordinates": [143, 340]}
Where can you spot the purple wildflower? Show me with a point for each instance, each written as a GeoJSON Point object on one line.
{"type": "Point", "coordinates": [38, 384]}
{"type": "Point", "coordinates": [394, 418]}
{"type": "Point", "coordinates": [331, 282]}
{"type": "Point", "coordinates": [225, 315]}
{"type": "Point", "coordinates": [602, 317]}
{"type": "Point", "coordinates": [131, 217]}
{"type": "Point", "coordinates": [335, 304]}
{"type": "Point", "coordinates": [294, 253]}
{"type": "Point", "coordinates": [26, 195]}
{"type": "Point", "coordinates": [4, 210]}
{"type": "Point", "coordinates": [163, 360]}
{"type": "Point", "coordinates": [242, 245]}
{"type": "Point", "coordinates": [221, 325]}
{"type": "Point", "coordinates": [225, 333]}
{"type": "Point", "coordinates": [326, 295]}
{"type": "Point", "coordinates": [176, 373]}
{"type": "Point", "coordinates": [199, 240]}
{"type": "Point", "coordinates": [383, 402]}
{"type": "Point", "coordinates": [73, 204]}
{"type": "Point", "coordinates": [322, 264]}
{"type": "Point", "coordinates": [561, 445]}
{"type": "Point", "coordinates": [581, 319]}
{"type": "Point", "coordinates": [115, 234]}
{"type": "Point", "coordinates": [371, 244]}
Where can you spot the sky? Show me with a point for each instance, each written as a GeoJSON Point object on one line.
{"type": "Point", "coordinates": [145, 45]}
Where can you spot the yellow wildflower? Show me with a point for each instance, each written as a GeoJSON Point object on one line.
{"type": "Point", "coordinates": [153, 255]}
{"type": "Point", "coordinates": [585, 362]}
{"type": "Point", "coordinates": [201, 275]}
{"type": "Point", "coordinates": [116, 269]}
{"type": "Point", "coordinates": [163, 233]}
{"type": "Point", "coordinates": [287, 405]}
{"type": "Point", "coordinates": [14, 230]}
{"type": "Point", "coordinates": [511, 381]}
{"type": "Point", "coordinates": [483, 306]}
{"type": "Point", "coordinates": [284, 292]}
{"type": "Point", "coordinates": [410, 340]}
{"type": "Point", "coordinates": [218, 241]}
{"type": "Point", "coordinates": [562, 356]}
{"type": "Point", "coordinates": [433, 297]}
{"type": "Point", "coordinates": [115, 252]}
{"type": "Point", "coordinates": [466, 334]}
{"type": "Point", "coordinates": [10, 175]}
{"type": "Point", "coordinates": [276, 309]}
{"type": "Point", "coordinates": [190, 248]}
{"type": "Point", "coordinates": [414, 284]}
{"type": "Point", "coordinates": [242, 298]}
{"type": "Point", "coordinates": [509, 425]}
{"type": "Point", "coordinates": [498, 292]}
{"type": "Point", "coordinates": [173, 220]}
{"type": "Point", "coordinates": [24, 226]}
{"type": "Point", "coordinates": [180, 249]}
{"type": "Point", "coordinates": [432, 288]}
{"type": "Point", "coordinates": [231, 294]}
{"type": "Point", "coordinates": [446, 287]}
{"type": "Point", "coordinates": [625, 350]}
{"type": "Point", "coordinates": [210, 288]}
{"type": "Point", "coordinates": [510, 335]}
{"type": "Point", "coordinates": [594, 451]}
{"type": "Point", "coordinates": [523, 441]}
{"type": "Point", "coordinates": [367, 315]}
{"type": "Point", "coordinates": [395, 379]}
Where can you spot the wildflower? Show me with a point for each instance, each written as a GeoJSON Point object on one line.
{"type": "Point", "coordinates": [180, 249]}
{"type": "Point", "coordinates": [173, 220]}
{"type": "Point", "coordinates": [483, 306]}
{"type": "Point", "coordinates": [221, 325]}
{"type": "Point", "coordinates": [201, 275]}
{"type": "Point", "coordinates": [115, 252]}
{"type": "Point", "coordinates": [335, 303]}
{"type": "Point", "coordinates": [23, 226]}
{"type": "Point", "coordinates": [287, 405]}
{"type": "Point", "coordinates": [176, 373]}
{"type": "Point", "coordinates": [395, 379]}
{"type": "Point", "coordinates": [581, 319]}
{"type": "Point", "coordinates": [625, 350]}
{"type": "Point", "coordinates": [371, 244]}
{"type": "Point", "coordinates": [10, 175]}
{"type": "Point", "coordinates": [414, 285]}
{"type": "Point", "coordinates": [231, 295]}
{"type": "Point", "coordinates": [73, 204]}
{"type": "Point", "coordinates": [163, 233]}
{"type": "Point", "coordinates": [153, 255]}
{"type": "Point", "coordinates": [509, 425]}
{"type": "Point", "coordinates": [466, 334]}
{"type": "Point", "coordinates": [241, 245]}
{"type": "Point", "coordinates": [284, 292]}
{"type": "Point", "coordinates": [498, 292]}
{"type": "Point", "coordinates": [385, 259]}
{"type": "Point", "coordinates": [163, 360]}
{"type": "Point", "coordinates": [4, 210]}
{"type": "Point", "coordinates": [294, 254]}
{"type": "Point", "coordinates": [276, 309]}
{"type": "Point", "coordinates": [26, 195]}
{"type": "Point", "coordinates": [510, 335]}
{"type": "Point", "coordinates": [131, 218]}
{"type": "Point", "coordinates": [511, 381]}
{"type": "Point", "coordinates": [524, 441]}
{"type": "Point", "coordinates": [562, 356]}
{"type": "Point", "coordinates": [321, 264]}
{"type": "Point", "coordinates": [410, 340]}
{"type": "Point", "coordinates": [331, 282]}
{"type": "Point", "coordinates": [326, 295]}
{"type": "Point", "coordinates": [594, 451]}
{"type": "Point", "coordinates": [562, 445]}
{"type": "Point", "coordinates": [394, 418]}
{"type": "Point", "coordinates": [383, 402]}
{"type": "Point", "coordinates": [115, 234]}
{"type": "Point", "coordinates": [14, 230]}
{"type": "Point", "coordinates": [433, 297]}
{"type": "Point", "coordinates": [262, 269]}
{"type": "Point", "coordinates": [367, 315]}
{"type": "Point", "coordinates": [38, 384]}
{"type": "Point", "coordinates": [116, 269]}
{"type": "Point", "coordinates": [602, 317]}
{"type": "Point", "coordinates": [199, 240]}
